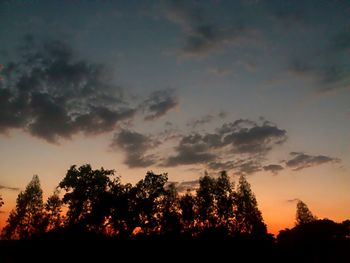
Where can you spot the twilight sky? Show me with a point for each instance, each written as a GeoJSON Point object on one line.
{"type": "Point", "coordinates": [253, 87]}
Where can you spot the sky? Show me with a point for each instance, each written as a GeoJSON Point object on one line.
{"type": "Point", "coordinates": [253, 87]}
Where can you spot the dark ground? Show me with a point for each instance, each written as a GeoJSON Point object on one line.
{"type": "Point", "coordinates": [169, 250]}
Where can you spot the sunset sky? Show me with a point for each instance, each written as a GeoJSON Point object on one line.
{"type": "Point", "coordinates": [253, 87]}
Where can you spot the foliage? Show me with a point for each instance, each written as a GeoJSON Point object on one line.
{"type": "Point", "coordinates": [87, 197]}
{"type": "Point", "coordinates": [53, 211]}
{"type": "Point", "coordinates": [248, 217]}
{"type": "Point", "coordinates": [28, 216]}
{"type": "Point", "coordinates": [303, 214]}
{"type": "Point", "coordinates": [99, 203]}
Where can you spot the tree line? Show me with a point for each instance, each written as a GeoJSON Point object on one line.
{"type": "Point", "coordinates": [98, 203]}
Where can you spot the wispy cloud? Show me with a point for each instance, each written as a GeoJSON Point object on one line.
{"type": "Point", "coordinates": [185, 186]}
{"type": "Point", "coordinates": [136, 146]}
{"type": "Point", "coordinates": [220, 71]}
{"type": "Point", "coordinates": [302, 160]}
{"type": "Point", "coordinates": [202, 35]}
{"type": "Point", "coordinates": [294, 200]}
{"type": "Point", "coordinates": [159, 103]}
{"type": "Point", "coordinates": [273, 168]}
{"type": "Point", "coordinates": [3, 187]}
{"type": "Point", "coordinates": [246, 140]}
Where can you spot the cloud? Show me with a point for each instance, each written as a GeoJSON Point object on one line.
{"type": "Point", "coordinates": [206, 119]}
{"type": "Point", "coordinates": [185, 186]}
{"type": "Point", "coordinates": [242, 137]}
{"type": "Point", "coordinates": [273, 168]}
{"type": "Point", "coordinates": [159, 103]}
{"type": "Point", "coordinates": [222, 114]}
{"type": "Point", "coordinates": [53, 94]}
{"type": "Point", "coordinates": [219, 71]}
{"type": "Point", "coordinates": [135, 146]}
{"type": "Point", "coordinates": [301, 160]}
{"type": "Point", "coordinates": [201, 121]}
{"type": "Point", "coordinates": [249, 137]}
{"type": "Point", "coordinates": [326, 75]}
{"type": "Point", "coordinates": [206, 38]}
{"type": "Point", "coordinates": [171, 132]}
{"type": "Point", "coordinates": [202, 35]}
{"type": "Point", "coordinates": [191, 150]}
{"type": "Point", "coordinates": [240, 166]}
{"type": "Point", "coordinates": [294, 200]}
{"type": "Point", "coordinates": [3, 187]}
{"type": "Point", "coordinates": [329, 68]}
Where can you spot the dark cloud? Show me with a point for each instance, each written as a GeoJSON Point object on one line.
{"type": "Point", "coordinates": [249, 137]}
{"type": "Point", "coordinates": [201, 121]}
{"type": "Point", "coordinates": [53, 94]}
{"type": "Point", "coordinates": [185, 186]}
{"type": "Point", "coordinates": [206, 119]}
{"type": "Point", "coordinates": [326, 75]}
{"type": "Point", "coordinates": [222, 114]}
{"type": "Point", "coordinates": [191, 150]}
{"type": "Point", "coordinates": [329, 68]}
{"type": "Point", "coordinates": [219, 166]}
{"type": "Point", "coordinates": [169, 133]}
{"type": "Point", "coordinates": [249, 166]}
{"type": "Point", "coordinates": [240, 166]}
{"type": "Point", "coordinates": [301, 160]}
{"type": "Point", "coordinates": [203, 39]}
{"type": "Point", "coordinates": [3, 187]}
{"type": "Point", "coordinates": [203, 35]}
{"type": "Point", "coordinates": [159, 103]}
{"type": "Point", "coordinates": [273, 168]}
{"type": "Point", "coordinates": [242, 137]}
{"type": "Point", "coordinates": [294, 200]}
{"type": "Point", "coordinates": [135, 146]}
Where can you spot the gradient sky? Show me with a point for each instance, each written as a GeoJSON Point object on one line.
{"type": "Point", "coordinates": [253, 87]}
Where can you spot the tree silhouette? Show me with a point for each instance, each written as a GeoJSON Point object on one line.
{"type": "Point", "coordinates": [170, 208]}
{"type": "Point", "coordinates": [205, 201]}
{"type": "Point", "coordinates": [147, 201]}
{"type": "Point", "coordinates": [100, 203]}
{"type": "Point", "coordinates": [224, 195]}
{"type": "Point", "coordinates": [1, 201]}
{"type": "Point", "coordinates": [27, 218]}
{"type": "Point", "coordinates": [87, 196]}
{"type": "Point", "coordinates": [53, 210]}
{"type": "Point", "coordinates": [248, 217]}
{"type": "Point", "coordinates": [124, 214]}
{"type": "Point", "coordinates": [188, 214]}
{"type": "Point", "coordinates": [303, 214]}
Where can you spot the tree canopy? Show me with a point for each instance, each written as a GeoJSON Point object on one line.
{"type": "Point", "coordinates": [303, 214]}
{"type": "Point", "coordinates": [27, 218]}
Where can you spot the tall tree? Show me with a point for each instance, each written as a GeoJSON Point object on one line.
{"type": "Point", "coordinates": [147, 200]}
{"type": "Point", "coordinates": [205, 201]}
{"type": "Point", "coordinates": [303, 214]}
{"type": "Point", "coordinates": [248, 217]}
{"type": "Point", "coordinates": [27, 218]}
{"type": "Point", "coordinates": [87, 196]}
{"type": "Point", "coordinates": [224, 197]}
{"type": "Point", "coordinates": [170, 216]}
{"type": "Point", "coordinates": [188, 215]}
{"type": "Point", "coordinates": [123, 216]}
{"type": "Point", "coordinates": [53, 209]}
